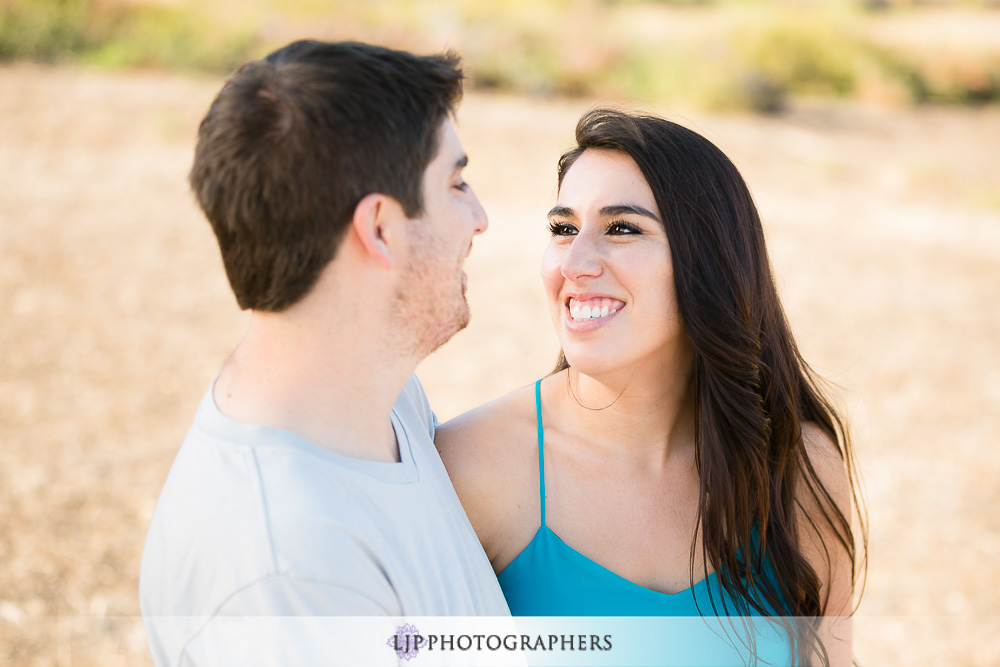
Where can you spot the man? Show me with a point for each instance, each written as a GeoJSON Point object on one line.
{"type": "Point", "coordinates": [308, 484]}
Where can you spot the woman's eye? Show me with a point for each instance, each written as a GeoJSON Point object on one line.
{"type": "Point", "coordinates": [463, 186]}
{"type": "Point", "coordinates": [562, 229]}
{"type": "Point", "coordinates": [620, 228]}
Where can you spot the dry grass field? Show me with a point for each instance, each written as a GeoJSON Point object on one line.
{"type": "Point", "coordinates": [884, 231]}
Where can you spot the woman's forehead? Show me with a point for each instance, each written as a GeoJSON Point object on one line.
{"type": "Point", "coordinates": [605, 177]}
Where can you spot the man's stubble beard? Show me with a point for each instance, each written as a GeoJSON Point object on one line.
{"type": "Point", "coordinates": [429, 313]}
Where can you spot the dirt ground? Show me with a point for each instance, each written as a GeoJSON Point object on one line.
{"type": "Point", "coordinates": [884, 230]}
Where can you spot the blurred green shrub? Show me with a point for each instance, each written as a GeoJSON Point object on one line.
{"type": "Point", "coordinates": [47, 29]}
{"type": "Point", "coordinates": [720, 54]}
{"type": "Point", "coordinates": [943, 76]}
{"type": "Point", "coordinates": [121, 35]}
{"type": "Point", "coordinates": [739, 56]}
{"type": "Point", "coordinates": [159, 36]}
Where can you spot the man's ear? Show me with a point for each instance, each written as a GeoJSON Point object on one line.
{"type": "Point", "coordinates": [375, 223]}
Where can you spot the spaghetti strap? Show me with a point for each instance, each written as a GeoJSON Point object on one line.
{"type": "Point", "coordinates": [541, 455]}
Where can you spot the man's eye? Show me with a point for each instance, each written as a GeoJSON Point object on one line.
{"type": "Point", "coordinates": [621, 228]}
{"type": "Point", "coordinates": [463, 186]}
{"type": "Point", "coordinates": [562, 229]}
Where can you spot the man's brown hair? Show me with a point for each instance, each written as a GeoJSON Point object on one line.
{"type": "Point", "coordinates": [293, 142]}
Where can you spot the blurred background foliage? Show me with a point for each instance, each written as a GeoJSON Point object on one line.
{"type": "Point", "coordinates": [710, 54]}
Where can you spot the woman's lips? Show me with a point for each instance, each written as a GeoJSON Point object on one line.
{"type": "Point", "coordinates": [592, 308]}
{"type": "Point", "coordinates": [591, 313]}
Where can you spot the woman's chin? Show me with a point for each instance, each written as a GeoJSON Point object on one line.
{"type": "Point", "coordinates": [592, 365]}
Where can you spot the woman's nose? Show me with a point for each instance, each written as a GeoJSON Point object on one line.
{"type": "Point", "coordinates": [582, 260]}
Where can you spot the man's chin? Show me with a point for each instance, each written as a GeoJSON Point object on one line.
{"type": "Point", "coordinates": [463, 320]}
{"type": "Point", "coordinates": [442, 334]}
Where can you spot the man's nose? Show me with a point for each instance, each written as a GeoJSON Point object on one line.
{"type": "Point", "coordinates": [481, 223]}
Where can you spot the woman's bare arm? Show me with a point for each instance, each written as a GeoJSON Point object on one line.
{"type": "Point", "coordinates": [821, 544]}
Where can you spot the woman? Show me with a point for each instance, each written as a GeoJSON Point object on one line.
{"type": "Point", "coordinates": [680, 460]}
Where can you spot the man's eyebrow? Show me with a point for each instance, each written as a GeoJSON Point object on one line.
{"type": "Point", "coordinates": [622, 209]}
{"type": "Point", "coordinates": [462, 162]}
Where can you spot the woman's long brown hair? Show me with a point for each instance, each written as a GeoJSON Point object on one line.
{"type": "Point", "coordinates": [753, 390]}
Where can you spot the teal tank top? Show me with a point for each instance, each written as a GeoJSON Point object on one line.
{"type": "Point", "coordinates": [550, 578]}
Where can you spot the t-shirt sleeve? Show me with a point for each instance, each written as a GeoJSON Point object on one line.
{"type": "Point", "coordinates": [285, 620]}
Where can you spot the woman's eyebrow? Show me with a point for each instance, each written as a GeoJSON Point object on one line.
{"type": "Point", "coordinates": [622, 209]}
{"type": "Point", "coordinates": [606, 212]}
{"type": "Point", "coordinates": [562, 212]}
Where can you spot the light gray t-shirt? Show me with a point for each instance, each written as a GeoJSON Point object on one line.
{"type": "Point", "coordinates": [256, 521]}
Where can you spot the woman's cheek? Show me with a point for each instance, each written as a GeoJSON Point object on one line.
{"type": "Point", "coordinates": [551, 272]}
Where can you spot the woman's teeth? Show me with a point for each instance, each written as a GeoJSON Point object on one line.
{"type": "Point", "coordinates": [593, 309]}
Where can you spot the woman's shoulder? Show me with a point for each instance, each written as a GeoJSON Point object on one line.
{"type": "Point", "coordinates": [499, 424]}
{"type": "Point", "coordinates": [490, 453]}
{"type": "Point", "coordinates": [825, 458]}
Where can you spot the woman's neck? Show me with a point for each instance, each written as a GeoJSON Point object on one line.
{"type": "Point", "coordinates": [642, 417]}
